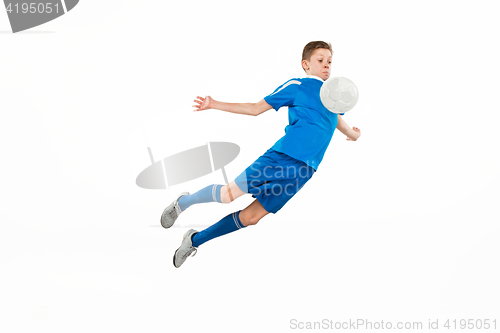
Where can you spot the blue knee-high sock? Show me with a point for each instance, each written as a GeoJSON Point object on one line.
{"type": "Point", "coordinates": [211, 193]}
{"type": "Point", "coordinates": [228, 224]}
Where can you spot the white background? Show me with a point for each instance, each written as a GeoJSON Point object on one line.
{"type": "Point", "coordinates": [398, 226]}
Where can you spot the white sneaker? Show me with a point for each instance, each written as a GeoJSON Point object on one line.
{"type": "Point", "coordinates": [172, 212]}
{"type": "Point", "coordinates": [186, 248]}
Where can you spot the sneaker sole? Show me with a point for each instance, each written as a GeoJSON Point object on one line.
{"type": "Point", "coordinates": [165, 225]}
{"type": "Point", "coordinates": [174, 259]}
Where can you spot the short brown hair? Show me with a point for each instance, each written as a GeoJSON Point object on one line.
{"type": "Point", "coordinates": [312, 46]}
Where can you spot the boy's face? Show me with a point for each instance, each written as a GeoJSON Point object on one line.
{"type": "Point", "coordinates": [319, 64]}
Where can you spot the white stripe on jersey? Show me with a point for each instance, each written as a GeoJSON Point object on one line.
{"type": "Point", "coordinates": [286, 85]}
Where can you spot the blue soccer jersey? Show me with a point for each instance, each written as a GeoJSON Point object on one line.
{"type": "Point", "coordinates": [311, 125]}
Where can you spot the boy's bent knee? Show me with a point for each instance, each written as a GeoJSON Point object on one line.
{"type": "Point", "coordinates": [224, 194]}
{"type": "Point", "coordinates": [249, 220]}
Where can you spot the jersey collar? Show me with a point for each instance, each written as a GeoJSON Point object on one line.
{"type": "Point", "coordinates": [315, 77]}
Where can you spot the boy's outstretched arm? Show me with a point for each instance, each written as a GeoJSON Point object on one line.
{"type": "Point", "coordinates": [251, 109]}
{"type": "Point", "coordinates": [352, 134]}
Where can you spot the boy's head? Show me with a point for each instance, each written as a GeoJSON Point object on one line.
{"type": "Point", "coordinates": [317, 59]}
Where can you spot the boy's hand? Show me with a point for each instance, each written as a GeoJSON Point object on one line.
{"type": "Point", "coordinates": [203, 103]}
{"type": "Point", "coordinates": [355, 135]}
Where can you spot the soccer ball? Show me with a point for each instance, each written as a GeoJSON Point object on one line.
{"type": "Point", "coordinates": [339, 94]}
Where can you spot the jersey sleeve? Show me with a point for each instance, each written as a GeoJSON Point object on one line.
{"type": "Point", "coordinates": [284, 95]}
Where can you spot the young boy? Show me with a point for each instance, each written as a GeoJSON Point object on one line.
{"type": "Point", "coordinates": [275, 177]}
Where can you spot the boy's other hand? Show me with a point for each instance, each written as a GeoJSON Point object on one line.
{"type": "Point", "coordinates": [356, 134]}
{"type": "Point", "coordinates": [203, 103]}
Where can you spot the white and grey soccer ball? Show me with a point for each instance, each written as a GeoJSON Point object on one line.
{"type": "Point", "coordinates": [339, 94]}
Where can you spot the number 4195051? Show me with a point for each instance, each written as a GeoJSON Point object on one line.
{"type": "Point", "coordinates": [33, 8]}
{"type": "Point", "coordinates": [471, 324]}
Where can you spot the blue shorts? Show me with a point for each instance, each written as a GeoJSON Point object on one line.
{"type": "Point", "coordinates": [274, 178]}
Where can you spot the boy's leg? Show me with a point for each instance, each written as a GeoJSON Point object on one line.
{"type": "Point", "coordinates": [237, 220]}
{"type": "Point", "coordinates": [232, 222]}
{"type": "Point", "coordinates": [230, 192]}
{"type": "Point", "coordinates": [253, 213]}
{"type": "Point", "coordinates": [211, 193]}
